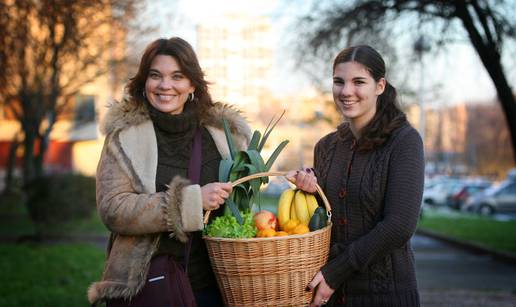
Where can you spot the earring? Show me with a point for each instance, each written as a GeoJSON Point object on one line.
{"type": "Point", "coordinates": [191, 96]}
{"type": "Point", "coordinates": [144, 95]}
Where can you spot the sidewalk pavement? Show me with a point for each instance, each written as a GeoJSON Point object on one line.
{"type": "Point", "coordinates": [450, 275]}
{"type": "Point", "coordinates": [475, 248]}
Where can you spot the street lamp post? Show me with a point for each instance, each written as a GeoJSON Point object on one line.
{"type": "Point", "coordinates": [420, 47]}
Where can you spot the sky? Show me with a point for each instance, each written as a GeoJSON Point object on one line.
{"type": "Point", "coordinates": [451, 77]}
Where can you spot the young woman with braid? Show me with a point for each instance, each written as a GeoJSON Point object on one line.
{"type": "Point", "coordinates": [372, 170]}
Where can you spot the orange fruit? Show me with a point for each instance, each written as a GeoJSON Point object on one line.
{"type": "Point", "coordinates": [269, 232]}
{"type": "Point", "coordinates": [300, 229]}
{"type": "Point", "coordinates": [290, 225]}
{"type": "Point", "coordinates": [281, 233]}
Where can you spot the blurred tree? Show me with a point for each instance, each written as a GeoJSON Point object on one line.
{"type": "Point", "coordinates": [49, 49]}
{"type": "Point", "coordinates": [489, 26]}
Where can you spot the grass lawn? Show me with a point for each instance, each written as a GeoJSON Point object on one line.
{"type": "Point", "coordinates": [37, 274]}
{"type": "Point", "coordinates": [468, 227]}
{"type": "Point", "coordinates": [48, 275]}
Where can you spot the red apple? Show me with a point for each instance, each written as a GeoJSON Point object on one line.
{"type": "Point", "coordinates": [264, 220]}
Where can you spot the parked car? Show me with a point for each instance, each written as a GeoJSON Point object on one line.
{"type": "Point", "coordinates": [500, 198]}
{"type": "Point", "coordinates": [437, 193]}
{"type": "Point", "coordinates": [458, 198]}
{"type": "Point", "coordinates": [511, 175]}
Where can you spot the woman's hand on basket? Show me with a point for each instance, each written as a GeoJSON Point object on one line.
{"type": "Point", "coordinates": [214, 194]}
{"type": "Point", "coordinates": [323, 292]}
{"type": "Point", "coordinates": [303, 179]}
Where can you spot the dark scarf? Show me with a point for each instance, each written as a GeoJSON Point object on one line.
{"type": "Point", "coordinates": [174, 135]}
{"type": "Point", "coordinates": [175, 132]}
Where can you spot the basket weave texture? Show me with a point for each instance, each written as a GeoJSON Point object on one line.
{"type": "Point", "coordinates": [269, 271]}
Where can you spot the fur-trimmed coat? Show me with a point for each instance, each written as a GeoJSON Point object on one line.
{"type": "Point", "coordinates": [127, 201]}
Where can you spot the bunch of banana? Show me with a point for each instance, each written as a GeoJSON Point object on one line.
{"type": "Point", "coordinates": [296, 205]}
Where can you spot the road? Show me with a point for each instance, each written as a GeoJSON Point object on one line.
{"type": "Point", "coordinates": [449, 276]}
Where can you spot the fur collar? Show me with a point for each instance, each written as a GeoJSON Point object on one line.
{"type": "Point", "coordinates": [127, 113]}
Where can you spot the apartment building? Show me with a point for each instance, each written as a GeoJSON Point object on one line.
{"type": "Point", "coordinates": [236, 53]}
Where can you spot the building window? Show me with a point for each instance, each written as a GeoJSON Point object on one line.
{"type": "Point", "coordinates": [84, 109]}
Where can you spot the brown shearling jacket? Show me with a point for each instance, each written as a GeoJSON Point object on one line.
{"type": "Point", "coordinates": [127, 201]}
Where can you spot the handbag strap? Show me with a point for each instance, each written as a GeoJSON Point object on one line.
{"type": "Point", "coordinates": [194, 166]}
{"type": "Point", "coordinates": [194, 174]}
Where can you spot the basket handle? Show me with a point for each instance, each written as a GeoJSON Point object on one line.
{"type": "Point", "coordinates": [259, 175]}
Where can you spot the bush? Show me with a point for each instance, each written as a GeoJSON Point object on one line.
{"type": "Point", "coordinates": [60, 198]}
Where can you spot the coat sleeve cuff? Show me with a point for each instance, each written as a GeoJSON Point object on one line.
{"type": "Point", "coordinates": [183, 208]}
{"type": "Point", "coordinates": [338, 270]}
{"type": "Point", "coordinates": [191, 209]}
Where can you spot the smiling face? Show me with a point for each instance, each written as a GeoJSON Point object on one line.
{"type": "Point", "coordinates": [355, 93]}
{"type": "Point", "coordinates": [166, 87]}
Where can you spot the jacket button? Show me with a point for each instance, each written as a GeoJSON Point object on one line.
{"type": "Point", "coordinates": [343, 221]}
{"type": "Point", "coordinates": [343, 192]}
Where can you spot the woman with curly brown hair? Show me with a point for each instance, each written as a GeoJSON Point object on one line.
{"type": "Point", "coordinates": [157, 174]}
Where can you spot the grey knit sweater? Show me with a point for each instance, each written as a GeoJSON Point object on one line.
{"type": "Point", "coordinates": [375, 198]}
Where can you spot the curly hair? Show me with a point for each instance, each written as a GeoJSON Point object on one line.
{"type": "Point", "coordinates": [185, 56]}
{"type": "Point", "coordinates": [388, 114]}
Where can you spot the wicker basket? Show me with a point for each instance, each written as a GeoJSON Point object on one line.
{"type": "Point", "coordinates": [269, 271]}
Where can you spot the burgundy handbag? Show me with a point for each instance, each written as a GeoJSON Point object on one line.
{"type": "Point", "coordinates": [167, 282]}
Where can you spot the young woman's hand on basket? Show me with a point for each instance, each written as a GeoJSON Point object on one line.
{"type": "Point", "coordinates": [303, 179]}
{"type": "Point", "coordinates": [323, 292]}
{"type": "Point", "coordinates": [214, 194]}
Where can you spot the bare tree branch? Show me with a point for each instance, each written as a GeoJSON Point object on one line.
{"type": "Point", "coordinates": [488, 24]}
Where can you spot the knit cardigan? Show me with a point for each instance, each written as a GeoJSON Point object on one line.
{"type": "Point", "coordinates": [375, 198]}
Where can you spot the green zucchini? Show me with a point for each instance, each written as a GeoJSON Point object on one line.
{"type": "Point", "coordinates": [318, 220]}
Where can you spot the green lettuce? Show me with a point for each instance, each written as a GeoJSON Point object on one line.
{"type": "Point", "coordinates": [228, 227]}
